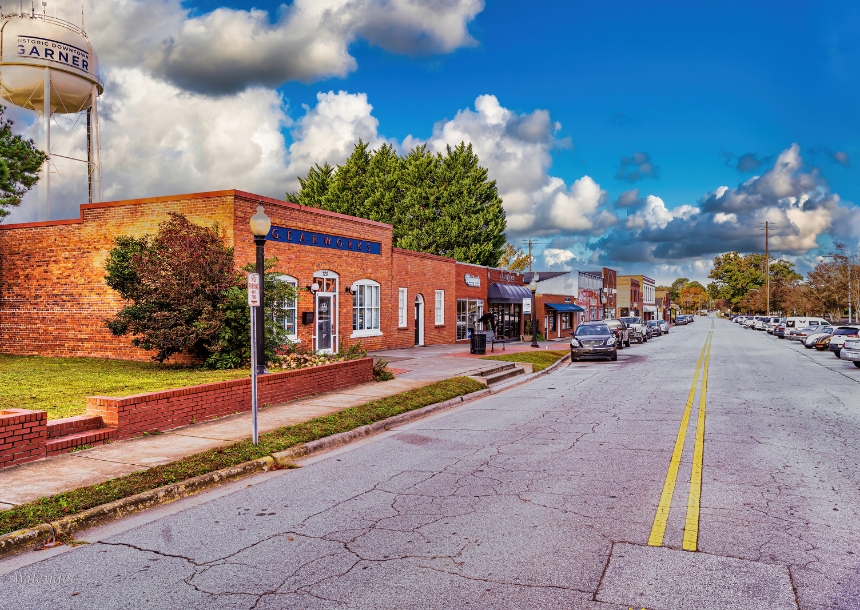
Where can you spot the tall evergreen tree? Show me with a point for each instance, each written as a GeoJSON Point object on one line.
{"type": "Point", "coordinates": [314, 186]}
{"type": "Point", "coordinates": [441, 204]}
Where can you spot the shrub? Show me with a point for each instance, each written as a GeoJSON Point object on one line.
{"type": "Point", "coordinates": [185, 295]}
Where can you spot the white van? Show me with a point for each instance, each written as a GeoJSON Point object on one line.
{"type": "Point", "coordinates": [797, 322]}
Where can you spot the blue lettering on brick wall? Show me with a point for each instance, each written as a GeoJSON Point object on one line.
{"type": "Point", "coordinates": [323, 240]}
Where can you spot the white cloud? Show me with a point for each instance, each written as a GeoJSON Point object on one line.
{"type": "Point", "coordinates": [516, 149]}
{"type": "Point", "coordinates": [328, 132]}
{"type": "Point", "coordinates": [794, 198]}
{"type": "Point", "coordinates": [228, 50]}
{"type": "Point", "coordinates": [159, 140]}
{"type": "Point", "coordinates": [556, 257]}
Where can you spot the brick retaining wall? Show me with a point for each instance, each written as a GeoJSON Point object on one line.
{"type": "Point", "coordinates": [27, 435]}
{"type": "Point", "coordinates": [133, 415]}
{"type": "Point", "coordinates": [23, 435]}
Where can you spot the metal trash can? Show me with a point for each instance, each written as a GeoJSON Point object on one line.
{"type": "Point", "coordinates": [478, 343]}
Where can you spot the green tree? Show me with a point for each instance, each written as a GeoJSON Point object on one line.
{"type": "Point", "coordinates": [677, 288]}
{"type": "Point", "coordinates": [737, 274]}
{"type": "Point", "coordinates": [20, 162]}
{"type": "Point", "coordinates": [314, 186]}
{"type": "Point", "coordinates": [442, 204]}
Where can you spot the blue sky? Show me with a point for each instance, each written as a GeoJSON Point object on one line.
{"type": "Point", "coordinates": [676, 100]}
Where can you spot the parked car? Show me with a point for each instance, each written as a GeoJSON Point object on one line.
{"type": "Point", "coordinates": [851, 351]}
{"type": "Point", "coordinates": [812, 338]}
{"type": "Point", "coordinates": [800, 334]}
{"type": "Point", "coordinates": [638, 330]}
{"type": "Point", "coordinates": [823, 343]}
{"type": "Point", "coordinates": [593, 340]}
{"type": "Point", "coordinates": [664, 326]}
{"type": "Point", "coordinates": [794, 323]}
{"type": "Point", "coordinates": [779, 330]}
{"type": "Point", "coordinates": [840, 335]}
{"type": "Point", "coordinates": [655, 328]}
{"type": "Point", "coordinates": [680, 320]}
{"type": "Point", "coordinates": [773, 323]}
{"type": "Point", "coordinates": [622, 333]}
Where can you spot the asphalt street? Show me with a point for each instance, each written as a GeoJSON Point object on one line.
{"type": "Point", "coordinates": [581, 489]}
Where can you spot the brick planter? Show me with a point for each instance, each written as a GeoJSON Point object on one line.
{"type": "Point", "coordinates": [133, 415]}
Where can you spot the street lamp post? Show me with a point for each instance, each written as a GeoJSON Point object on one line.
{"type": "Point", "coordinates": [260, 225]}
{"type": "Point", "coordinates": [533, 288]}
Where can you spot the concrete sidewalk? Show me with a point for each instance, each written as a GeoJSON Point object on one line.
{"type": "Point", "coordinates": [442, 361]}
{"type": "Point", "coordinates": [27, 482]}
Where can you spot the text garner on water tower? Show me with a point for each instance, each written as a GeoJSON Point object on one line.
{"type": "Point", "coordinates": [45, 48]}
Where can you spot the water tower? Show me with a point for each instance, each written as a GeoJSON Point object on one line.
{"type": "Point", "coordinates": [48, 65]}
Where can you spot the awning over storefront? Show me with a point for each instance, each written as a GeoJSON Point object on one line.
{"type": "Point", "coordinates": [564, 306]}
{"type": "Point", "coordinates": [508, 293]}
{"type": "Point", "coordinates": [650, 308]}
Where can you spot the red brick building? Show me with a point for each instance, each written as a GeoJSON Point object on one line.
{"type": "Point", "coordinates": [54, 301]}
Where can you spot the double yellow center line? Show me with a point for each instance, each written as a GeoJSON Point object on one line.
{"type": "Point", "coordinates": [691, 524]}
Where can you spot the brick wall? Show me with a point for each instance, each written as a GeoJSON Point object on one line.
{"type": "Point", "coordinates": [53, 298]}
{"type": "Point", "coordinates": [133, 415]}
{"type": "Point", "coordinates": [422, 274]}
{"type": "Point", "coordinates": [23, 435]}
{"type": "Point", "coordinates": [300, 261]}
{"type": "Point", "coordinates": [54, 301]}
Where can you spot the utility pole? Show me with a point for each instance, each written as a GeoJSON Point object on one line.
{"type": "Point", "coordinates": [767, 264]}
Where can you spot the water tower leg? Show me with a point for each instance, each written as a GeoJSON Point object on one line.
{"type": "Point", "coordinates": [95, 147]}
{"type": "Point", "coordinates": [45, 190]}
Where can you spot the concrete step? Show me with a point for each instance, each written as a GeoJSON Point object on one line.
{"type": "Point", "coordinates": [73, 425]}
{"type": "Point", "coordinates": [503, 375]}
{"type": "Point", "coordinates": [501, 367]}
{"type": "Point", "coordinates": [63, 444]}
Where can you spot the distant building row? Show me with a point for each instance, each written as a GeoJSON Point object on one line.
{"type": "Point", "coordinates": [353, 285]}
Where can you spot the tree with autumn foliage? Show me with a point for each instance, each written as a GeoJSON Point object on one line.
{"type": "Point", "coordinates": [184, 295]}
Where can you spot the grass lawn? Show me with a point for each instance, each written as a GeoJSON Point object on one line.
{"type": "Point", "coordinates": [60, 386]}
{"type": "Point", "coordinates": [539, 358]}
{"type": "Point", "coordinates": [60, 505]}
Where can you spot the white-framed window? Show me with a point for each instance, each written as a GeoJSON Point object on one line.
{"type": "Point", "coordinates": [290, 312]}
{"type": "Point", "coordinates": [401, 307]}
{"type": "Point", "coordinates": [440, 307]}
{"type": "Point", "coordinates": [365, 309]}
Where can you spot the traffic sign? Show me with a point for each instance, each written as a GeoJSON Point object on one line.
{"type": "Point", "coordinates": [254, 289]}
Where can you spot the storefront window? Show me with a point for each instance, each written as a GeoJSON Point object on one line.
{"type": "Point", "coordinates": [289, 306]}
{"type": "Point", "coordinates": [552, 322]}
{"type": "Point", "coordinates": [365, 307]}
{"type": "Point", "coordinates": [468, 311]}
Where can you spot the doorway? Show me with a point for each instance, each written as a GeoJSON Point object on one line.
{"type": "Point", "coordinates": [419, 320]}
{"type": "Point", "coordinates": [325, 318]}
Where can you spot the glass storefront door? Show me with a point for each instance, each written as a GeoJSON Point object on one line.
{"type": "Point", "coordinates": [507, 319]}
{"type": "Point", "coordinates": [324, 322]}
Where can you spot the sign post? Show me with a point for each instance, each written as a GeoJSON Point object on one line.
{"type": "Point", "coordinates": [254, 301]}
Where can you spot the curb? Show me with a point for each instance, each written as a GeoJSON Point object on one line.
{"type": "Point", "coordinates": [283, 458]}
{"type": "Point", "coordinates": [36, 537]}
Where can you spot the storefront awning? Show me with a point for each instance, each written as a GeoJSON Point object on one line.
{"type": "Point", "coordinates": [508, 293]}
{"type": "Point", "coordinates": [564, 306]}
{"type": "Point", "coordinates": [650, 308]}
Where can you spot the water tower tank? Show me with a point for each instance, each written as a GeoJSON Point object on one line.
{"type": "Point", "coordinates": [48, 65]}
